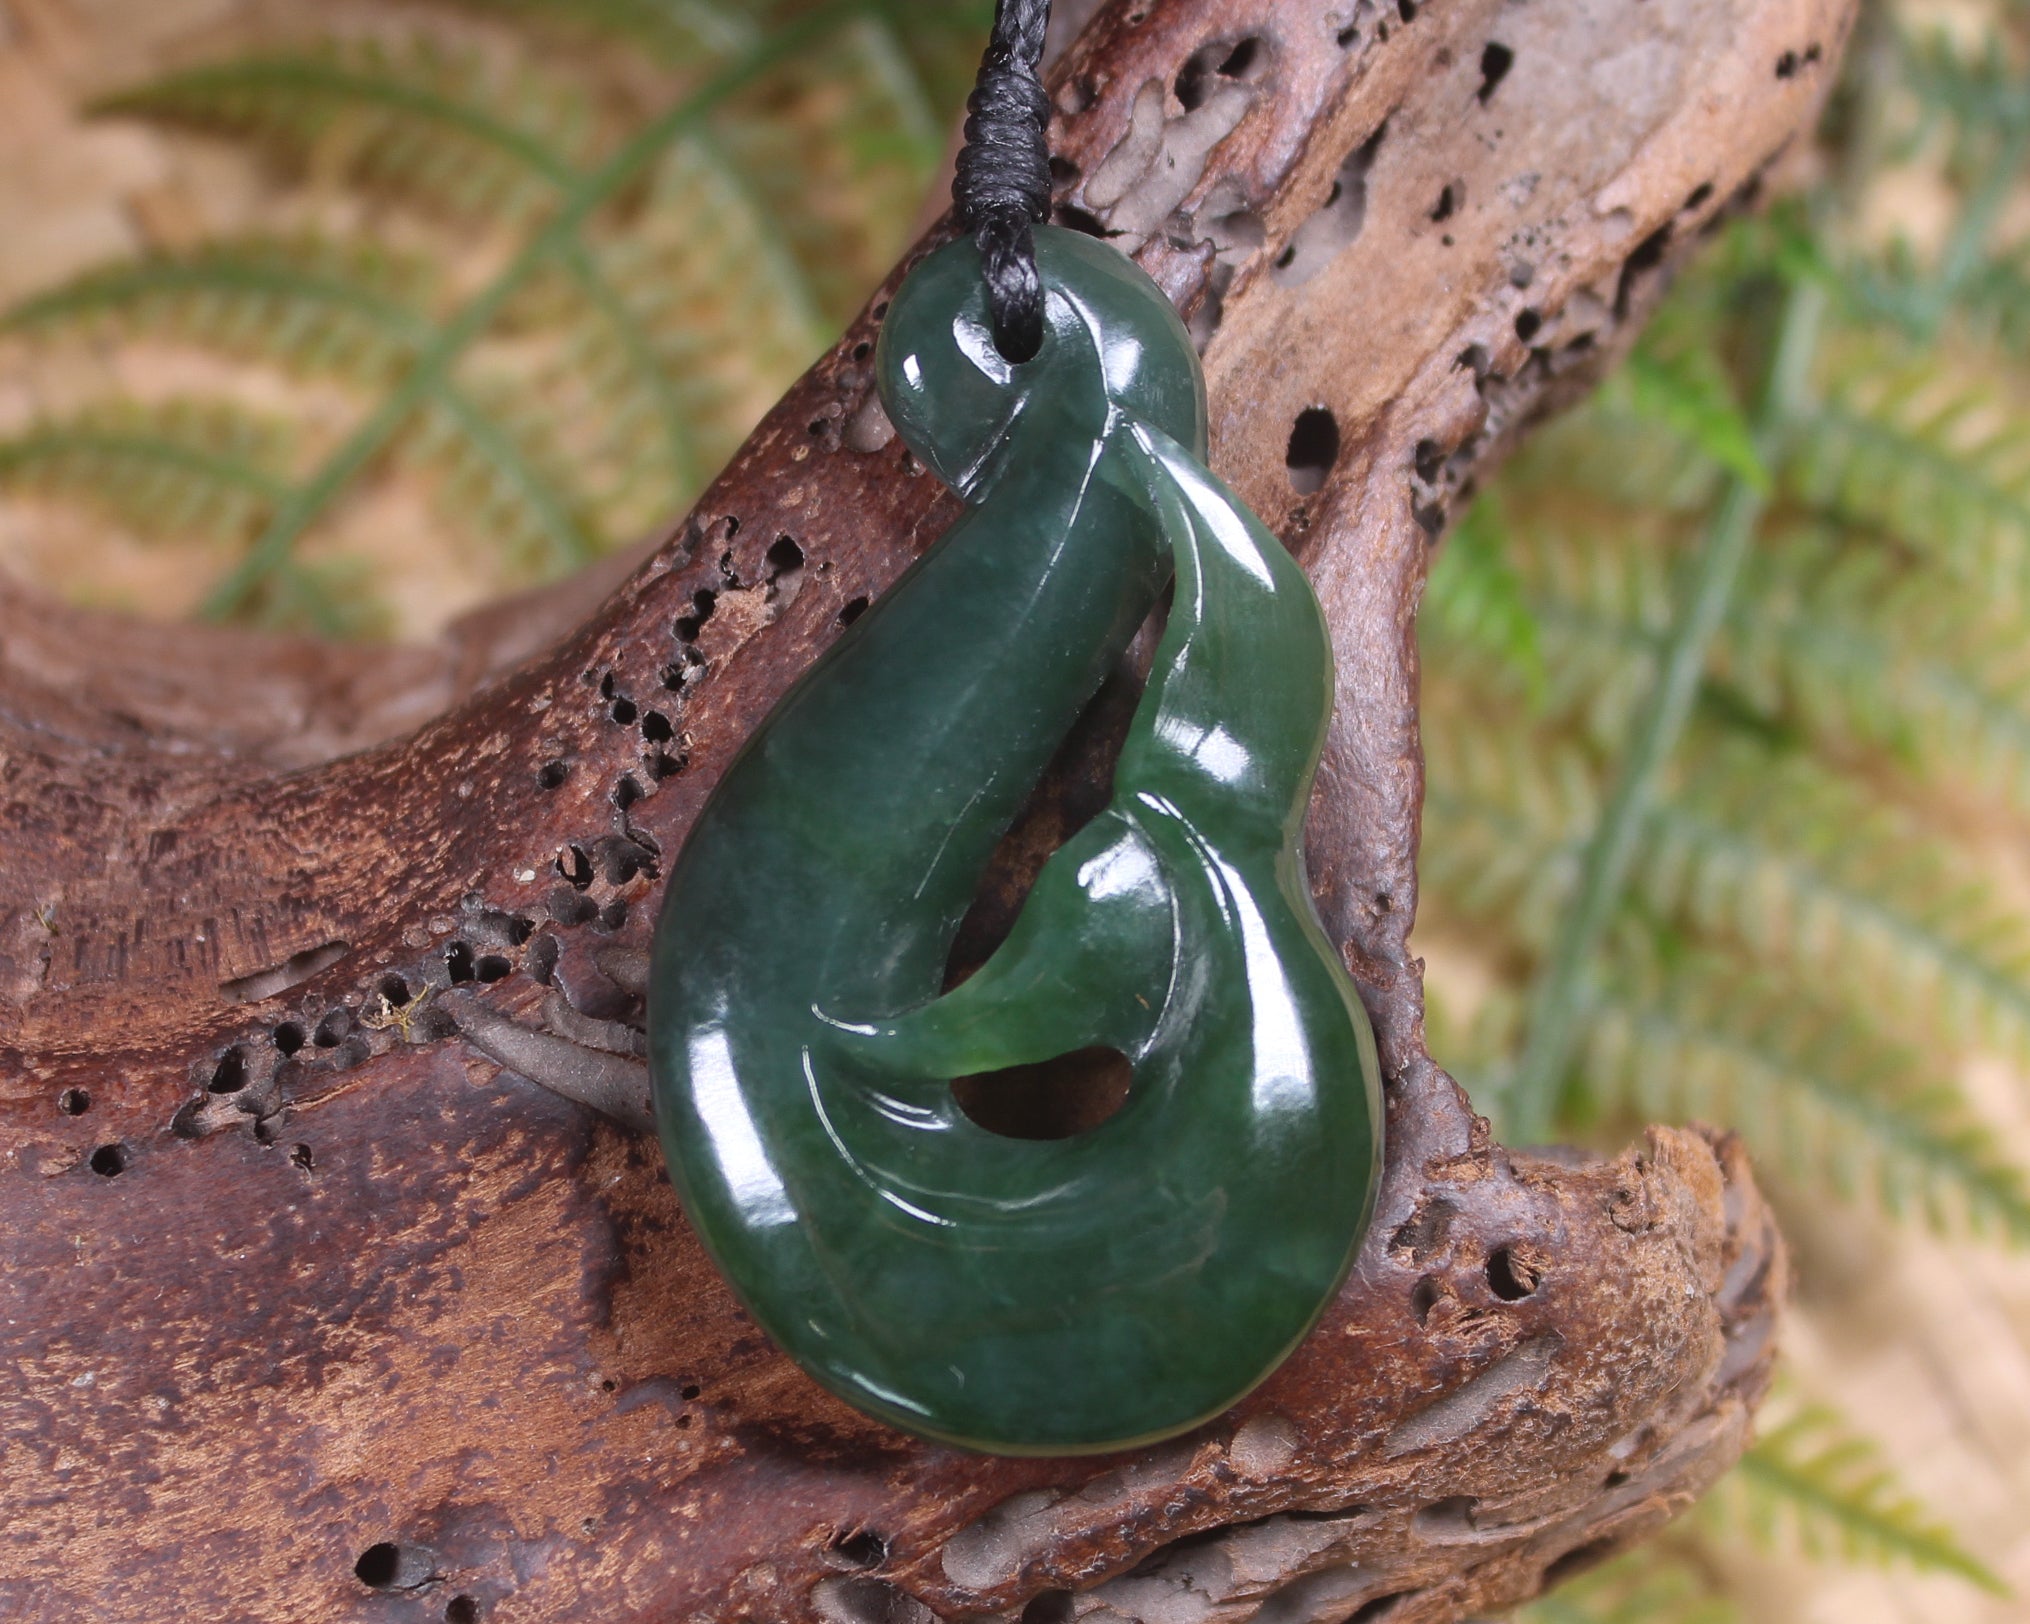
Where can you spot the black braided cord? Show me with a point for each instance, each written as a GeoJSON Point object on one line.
{"type": "Point", "coordinates": [1002, 186]}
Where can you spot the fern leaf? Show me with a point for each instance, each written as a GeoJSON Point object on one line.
{"type": "Point", "coordinates": [1994, 302]}
{"type": "Point", "coordinates": [1977, 95]}
{"type": "Point", "coordinates": [1813, 1087]}
{"type": "Point", "coordinates": [1863, 653]}
{"type": "Point", "coordinates": [1815, 1486]}
{"type": "Point", "coordinates": [625, 426]}
{"type": "Point", "coordinates": [1475, 598]}
{"type": "Point", "coordinates": [677, 32]}
{"type": "Point", "coordinates": [333, 597]}
{"type": "Point", "coordinates": [307, 305]}
{"type": "Point", "coordinates": [1684, 387]}
{"type": "Point", "coordinates": [499, 479]}
{"type": "Point", "coordinates": [1772, 855]}
{"type": "Point", "coordinates": [634, 347]}
{"type": "Point", "coordinates": [1608, 452]}
{"type": "Point", "coordinates": [454, 131]}
{"type": "Point", "coordinates": [1637, 1589]}
{"type": "Point", "coordinates": [179, 470]}
{"type": "Point", "coordinates": [1507, 813]}
{"type": "Point", "coordinates": [1833, 640]}
{"type": "Point", "coordinates": [837, 163]}
{"type": "Point", "coordinates": [728, 311]}
{"type": "Point", "coordinates": [1601, 603]}
{"type": "Point", "coordinates": [1804, 870]}
{"type": "Point", "coordinates": [1935, 460]}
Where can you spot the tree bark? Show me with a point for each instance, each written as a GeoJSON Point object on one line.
{"type": "Point", "coordinates": [317, 1308]}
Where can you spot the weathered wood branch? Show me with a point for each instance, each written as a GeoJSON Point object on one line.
{"type": "Point", "coordinates": [313, 1310]}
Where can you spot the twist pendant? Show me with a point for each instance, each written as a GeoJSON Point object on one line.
{"type": "Point", "coordinates": [1129, 1282]}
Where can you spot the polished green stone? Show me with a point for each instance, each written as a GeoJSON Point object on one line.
{"type": "Point", "coordinates": [1029, 1296]}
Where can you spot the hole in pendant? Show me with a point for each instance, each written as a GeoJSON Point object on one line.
{"type": "Point", "coordinates": [1048, 1099]}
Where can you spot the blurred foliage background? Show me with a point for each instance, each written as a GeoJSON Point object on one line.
{"type": "Point", "coordinates": [449, 298]}
{"type": "Point", "coordinates": [341, 318]}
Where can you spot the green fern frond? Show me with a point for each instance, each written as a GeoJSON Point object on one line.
{"type": "Point", "coordinates": [499, 477]}
{"type": "Point", "coordinates": [1862, 652]}
{"type": "Point", "coordinates": [1676, 378]}
{"type": "Point", "coordinates": [305, 304]}
{"type": "Point", "coordinates": [1936, 460]}
{"type": "Point", "coordinates": [1609, 452]}
{"type": "Point", "coordinates": [1814, 1485]}
{"type": "Point", "coordinates": [1474, 597]}
{"type": "Point", "coordinates": [1771, 854]}
{"type": "Point", "coordinates": [333, 597]}
{"type": "Point", "coordinates": [726, 315]}
{"type": "Point", "coordinates": [1806, 870]}
{"type": "Point", "coordinates": [1994, 303]}
{"type": "Point", "coordinates": [460, 132]}
{"type": "Point", "coordinates": [1829, 637]}
{"type": "Point", "coordinates": [1812, 1086]}
{"type": "Point", "coordinates": [844, 149]}
{"type": "Point", "coordinates": [1507, 813]}
{"type": "Point", "coordinates": [1977, 95]}
{"type": "Point", "coordinates": [176, 470]}
{"type": "Point", "coordinates": [674, 32]}
{"type": "Point", "coordinates": [1634, 1589]}
{"type": "Point", "coordinates": [1601, 602]}
{"type": "Point", "coordinates": [633, 427]}
{"type": "Point", "coordinates": [748, 271]}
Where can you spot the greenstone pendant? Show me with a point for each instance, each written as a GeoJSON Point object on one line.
{"type": "Point", "coordinates": [1029, 1296]}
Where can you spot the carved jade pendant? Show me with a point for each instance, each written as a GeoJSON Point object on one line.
{"type": "Point", "coordinates": [1029, 1296]}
